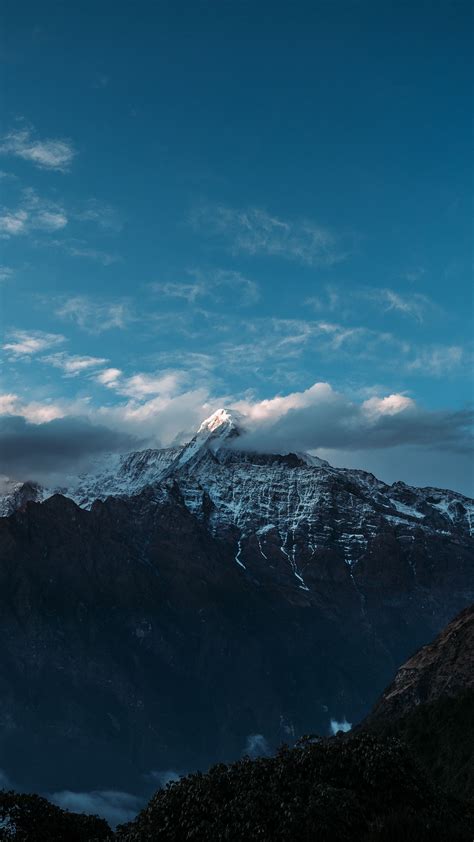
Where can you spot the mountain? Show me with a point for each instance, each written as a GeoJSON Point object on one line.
{"type": "Point", "coordinates": [365, 786]}
{"type": "Point", "coordinates": [360, 786]}
{"type": "Point", "coordinates": [430, 706]}
{"type": "Point", "coordinates": [175, 606]}
{"type": "Point", "coordinates": [444, 667]}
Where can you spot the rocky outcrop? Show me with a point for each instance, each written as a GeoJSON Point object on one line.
{"type": "Point", "coordinates": [442, 668]}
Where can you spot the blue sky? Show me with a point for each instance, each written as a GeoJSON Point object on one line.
{"type": "Point", "coordinates": [229, 202]}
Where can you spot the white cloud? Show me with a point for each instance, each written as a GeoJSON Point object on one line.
{"type": "Point", "coordinates": [12, 223]}
{"type": "Point", "coordinates": [343, 726]}
{"type": "Point", "coordinates": [34, 213]}
{"type": "Point", "coordinates": [437, 360]}
{"type": "Point", "coordinates": [35, 412]}
{"type": "Point", "coordinates": [141, 385]}
{"type": "Point", "coordinates": [211, 285]}
{"type": "Point", "coordinates": [24, 343]}
{"type": "Point", "coordinates": [51, 154]}
{"type": "Point", "coordinates": [73, 365]}
{"type": "Point", "coordinates": [109, 377]}
{"type": "Point", "coordinates": [256, 746]}
{"type": "Point", "coordinates": [414, 305]}
{"type": "Point", "coordinates": [6, 273]}
{"type": "Point", "coordinates": [322, 418]}
{"type": "Point", "coordinates": [94, 316]}
{"type": "Point", "coordinates": [254, 231]}
{"type": "Point", "coordinates": [160, 410]}
{"type": "Point", "coordinates": [390, 405]}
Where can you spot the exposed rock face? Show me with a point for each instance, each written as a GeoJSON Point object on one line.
{"type": "Point", "coordinates": [15, 495]}
{"type": "Point", "coordinates": [219, 594]}
{"type": "Point", "coordinates": [442, 668]}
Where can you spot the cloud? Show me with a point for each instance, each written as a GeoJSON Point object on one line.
{"type": "Point", "coordinates": [51, 154]}
{"type": "Point", "coordinates": [98, 255]}
{"type": "Point", "coordinates": [437, 360]}
{"type": "Point", "coordinates": [101, 214]}
{"type": "Point", "coordinates": [73, 365]}
{"type": "Point", "coordinates": [256, 746]}
{"type": "Point", "coordinates": [51, 447]}
{"type": "Point", "coordinates": [95, 316]}
{"type": "Point", "coordinates": [254, 231]}
{"type": "Point", "coordinates": [343, 301]}
{"type": "Point", "coordinates": [320, 417]}
{"type": "Point", "coordinates": [109, 377]}
{"type": "Point", "coordinates": [163, 778]}
{"type": "Point", "coordinates": [115, 807]}
{"type": "Point", "coordinates": [142, 385]}
{"type": "Point", "coordinates": [414, 305]}
{"type": "Point", "coordinates": [414, 274]}
{"type": "Point", "coordinates": [6, 272]}
{"type": "Point", "coordinates": [35, 412]}
{"type": "Point", "coordinates": [25, 343]}
{"type": "Point", "coordinates": [211, 285]}
{"type": "Point", "coordinates": [344, 726]}
{"type": "Point", "coordinates": [33, 213]}
{"type": "Point", "coordinates": [159, 410]}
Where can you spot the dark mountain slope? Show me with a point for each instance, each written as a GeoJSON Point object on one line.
{"type": "Point", "coordinates": [430, 705]}
{"type": "Point", "coordinates": [131, 639]}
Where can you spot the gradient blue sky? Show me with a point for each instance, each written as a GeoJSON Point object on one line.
{"type": "Point", "coordinates": [227, 202]}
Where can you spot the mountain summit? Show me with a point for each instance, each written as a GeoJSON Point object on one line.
{"type": "Point", "coordinates": [227, 419]}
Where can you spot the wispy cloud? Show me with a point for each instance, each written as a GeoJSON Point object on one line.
{"type": "Point", "coordinates": [26, 343]}
{"type": "Point", "coordinates": [72, 365]}
{"type": "Point", "coordinates": [98, 255]}
{"type": "Point", "coordinates": [211, 285]}
{"type": "Point", "coordinates": [95, 316]}
{"type": "Point", "coordinates": [414, 274]}
{"type": "Point", "coordinates": [33, 213]}
{"type": "Point", "coordinates": [101, 214]}
{"type": "Point", "coordinates": [49, 153]}
{"type": "Point", "coordinates": [6, 272]}
{"type": "Point", "coordinates": [437, 360]}
{"type": "Point", "coordinates": [143, 385]}
{"type": "Point", "coordinates": [254, 231]}
{"type": "Point", "coordinates": [348, 301]}
{"type": "Point", "coordinates": [79, 248]}
{"type": "Point", "coordinates": [414, 305]}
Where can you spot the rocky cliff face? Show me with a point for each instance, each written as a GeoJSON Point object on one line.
{"type": "Point", "coordinates": [444, 667]}
{"type": "Point", "coordinates": [202, 595]}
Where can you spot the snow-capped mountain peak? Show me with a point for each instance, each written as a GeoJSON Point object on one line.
{"type": "Point", "coordinates": [222, 420]}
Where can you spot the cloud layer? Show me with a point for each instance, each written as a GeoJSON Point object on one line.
{"type": "Point", "coordinates": [320, 417]}
{"type": "Point", "coordinates": [40, 438]}
{"type": "Point", "coordinates": [48, 448]}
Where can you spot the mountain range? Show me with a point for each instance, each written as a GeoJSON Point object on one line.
{"type": "Point", "coordinates": [175, 606]}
